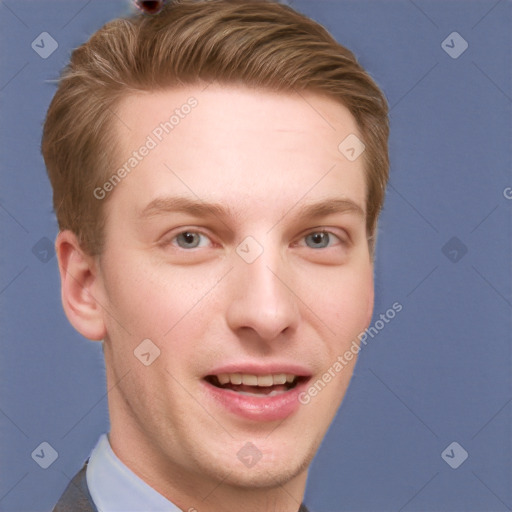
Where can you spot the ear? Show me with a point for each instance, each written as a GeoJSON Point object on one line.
{"type": "Point", "coordinates": [79, 280]}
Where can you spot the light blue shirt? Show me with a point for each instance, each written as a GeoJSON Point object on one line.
{"type": "Point", "coordinates": [115, 488]}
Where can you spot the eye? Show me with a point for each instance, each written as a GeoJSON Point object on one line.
{"type": "Point", "coordinates": [190, 240]}
{"type": "Point", "coordinates": [321, 239]}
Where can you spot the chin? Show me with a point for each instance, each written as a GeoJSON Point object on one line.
{"type": "Point", "coordinates": [264, 477]}
{"type": "Point", "coordinates": [274, 469]}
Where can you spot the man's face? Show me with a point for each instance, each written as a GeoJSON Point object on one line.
{"type": "Point", "coordinates": [237, 246]}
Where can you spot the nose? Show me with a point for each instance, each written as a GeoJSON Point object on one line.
{"type": "Point", "coordinates": [262, 301]}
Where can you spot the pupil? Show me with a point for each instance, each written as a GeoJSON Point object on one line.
{"type": "Point", "coordinates": [189, 237]}
{"type": "Point", "coordinates": [318, 240]}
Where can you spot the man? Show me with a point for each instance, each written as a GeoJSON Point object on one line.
{"type": "Point", "coordinates": [218, 170]}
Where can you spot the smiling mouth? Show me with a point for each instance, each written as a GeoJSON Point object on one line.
{"type": "Point", "coordinates": [256, 385]}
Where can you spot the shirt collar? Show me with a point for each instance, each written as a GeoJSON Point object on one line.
{"type": "Point", "coordinates": [115, 488]}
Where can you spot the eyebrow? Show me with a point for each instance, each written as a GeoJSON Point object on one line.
{"type": "Point", "coordinates": [198, 208]}
{"type": "Point", "coordinates": [162, 205]}
{"type": "Point", "coordinates": [331, 206]}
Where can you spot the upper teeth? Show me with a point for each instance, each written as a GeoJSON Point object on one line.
{"type": "Point", "coordinates": [255, 380]}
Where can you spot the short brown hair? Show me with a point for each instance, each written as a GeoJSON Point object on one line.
{"type": "Point", "coordinates": [260, 44]}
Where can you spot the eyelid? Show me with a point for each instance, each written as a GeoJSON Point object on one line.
{"type": "Point", "coordinates": [169, 236]}
{"type": "Point", "coordinates": [339, 233]}
{"type": "Point", "coordinates": [174, 239]}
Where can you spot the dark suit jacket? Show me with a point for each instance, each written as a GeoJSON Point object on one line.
{"type": "Point", "coordinates": [76, 497]}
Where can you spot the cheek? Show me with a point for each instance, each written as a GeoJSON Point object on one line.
{"type": "Point", "coordinates": [345, 303]}
{"type": "Point", "coordinates": [155, 300]}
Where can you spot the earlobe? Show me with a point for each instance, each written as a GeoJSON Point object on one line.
{"type": "Point", "coordinates": [79, 277]}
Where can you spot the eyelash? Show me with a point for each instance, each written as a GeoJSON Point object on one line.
{"type": "Point", "coordinates": [170, 240]}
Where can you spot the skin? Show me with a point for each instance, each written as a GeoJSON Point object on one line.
{"type": "Point", "coordinates": [264, 157]}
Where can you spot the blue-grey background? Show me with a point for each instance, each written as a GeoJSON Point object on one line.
{"type": "Point", "coordinates": [438, 372]}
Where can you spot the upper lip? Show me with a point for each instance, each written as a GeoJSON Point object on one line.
{"type": "Point", "coordinates": [257, 368]}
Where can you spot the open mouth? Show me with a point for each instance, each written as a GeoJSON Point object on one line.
{"type": "Point", "coordinates": [256, 385]}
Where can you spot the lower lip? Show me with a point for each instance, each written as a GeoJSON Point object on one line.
{"type": "Point", "coordinates": [255, 408]}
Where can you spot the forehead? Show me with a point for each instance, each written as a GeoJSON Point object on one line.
{"type": "Point", "coordinates": [228, 108]}
{"type": "Point", "coordinates": [236, 144]}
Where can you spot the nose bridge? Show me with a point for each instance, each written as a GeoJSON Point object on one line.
{"type": "Point", "coordinates": [261, 278]}
{"type": "Point", "coordinates": [264, 304]}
